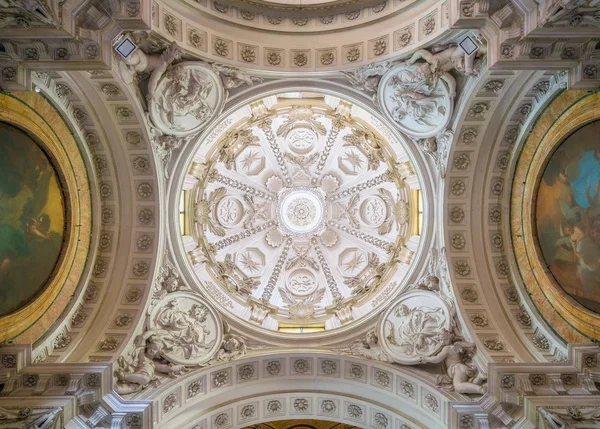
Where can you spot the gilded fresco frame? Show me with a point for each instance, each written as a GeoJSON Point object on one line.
{"type": "Point", "coordinates": [570, 111]}
{"type": "Point", "coordinates": [37, 117]}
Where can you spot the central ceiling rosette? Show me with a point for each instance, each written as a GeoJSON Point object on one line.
{"type": "Point", "coordinates": [302, 210]}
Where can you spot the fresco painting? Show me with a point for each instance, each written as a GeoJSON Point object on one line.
{"type": "Point", "coordinates": [568, 215]}
{"type": "Point", "coordinates": [32, 219]}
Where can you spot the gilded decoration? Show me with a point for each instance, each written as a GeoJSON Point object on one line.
{"type": "Point", "coordinates": [537, 262]}
{"type": "Point", "coordinates": [568, 215]}
{"type": "Point", "coordinates": [32, 219]}
{"type": "Point", "coordinates": [34, 115]}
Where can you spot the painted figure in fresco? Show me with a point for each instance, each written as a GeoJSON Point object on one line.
{"type": "Point", "coordinates": [568, 215]}
{"type": "Point", "coordinates": [28, 237]}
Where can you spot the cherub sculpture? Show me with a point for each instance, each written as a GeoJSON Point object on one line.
{"type": "Point", "coordinates": [367, 78]}
{"type": "Point", "coordinates": [461, 375]}
{"type": "Point", "coordinates": [233, 77]}
{"type": "Point", "coordinates": [368, 348]}
{"type": "Point", "coordinates": [451, 57]}
{"type": "Point", "coordinates": [155, 64]}
{"type": "Point", "coordinates": [144, 365]}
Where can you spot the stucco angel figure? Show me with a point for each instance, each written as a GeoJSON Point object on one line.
{"type": "Point", "coordinates": [461, 375]}
{"type": "Point", "coordinates": [233, 346]}
{"type": "Point", "coordinates": [155, 64]}
{"type": "Point", "coordinates": [144, 364]}
{"type": "Point", "coordinates": [367, 78]}
{"type": "Point", "coordinates": [233, 77]}
{"type": "Point", "coordinates": [449, 58]}
{"type": "Point", "coordinates": [368, 348]}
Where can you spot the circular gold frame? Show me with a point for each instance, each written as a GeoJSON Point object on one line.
{"type": "Point", "coordinates": [568, 112]}
{"type": "Point", "coordinates": [35, 115]}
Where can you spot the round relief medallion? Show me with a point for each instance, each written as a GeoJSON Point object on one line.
{"type": "Point", "coordinates": [373, 211]}
{"type": "Point", "coordinates": [230, 211]}
{"type": "Point", "coordinates": [417, 99]}
{"type": "Point", "coordinates": [301, 282]}
{"type": "Point", "coordinates": [186, 97]}
{"type": "Point", "coordinates": [186, 329]}
{"type": "Point", "coordinates": [301, 140]}
{"type": "Point", "coordinates": [414, 327]}
{"type": "Point", "coordinates": [301, 211]}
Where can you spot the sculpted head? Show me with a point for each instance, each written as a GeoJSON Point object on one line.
{"type": "Point", "coordinates": [171, 284]}
{"type": "Point", "coordinates": [153, 347]}
{"type": "Point", "coordinates": [372, 339]}
{"type": "Point", "coordinates": [402, 311]}
{"type": "Point", "coordinates": [447, 337]}
{"type": "Point", "coordinates": [198, 312]}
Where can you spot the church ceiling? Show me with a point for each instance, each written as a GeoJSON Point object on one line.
{"type": "Point", "coordinates": [340, 215]}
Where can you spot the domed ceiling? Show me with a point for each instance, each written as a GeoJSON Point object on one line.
{"type": "Point", "coordinates": [303, 213]}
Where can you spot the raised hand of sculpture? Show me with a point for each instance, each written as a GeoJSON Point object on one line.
{"type": "Point", "coordinates": [449, 58]}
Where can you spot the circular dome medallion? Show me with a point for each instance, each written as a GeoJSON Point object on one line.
{"type": "Point", "coordinates": [301, 211]}
{"type": "Point", "coordinates": [301, 140]}
{"type": "Point", "coordinates": [417, 99]}
{"type": "Point", "coordinates": [229, 211]}
{"type": "Point", "coordinates": [414, 327]}
{"type": "Point", "coordinates": [186, 97]}
{"type": "Point", "coordinates": [301, 282]}
{"type": "Point", "coordinates": [373, 211]}
{"type": "Point", "coordinates": [188, 330]}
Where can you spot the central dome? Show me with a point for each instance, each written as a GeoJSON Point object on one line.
{"type": "Point", "coordinates": [300, 212]}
